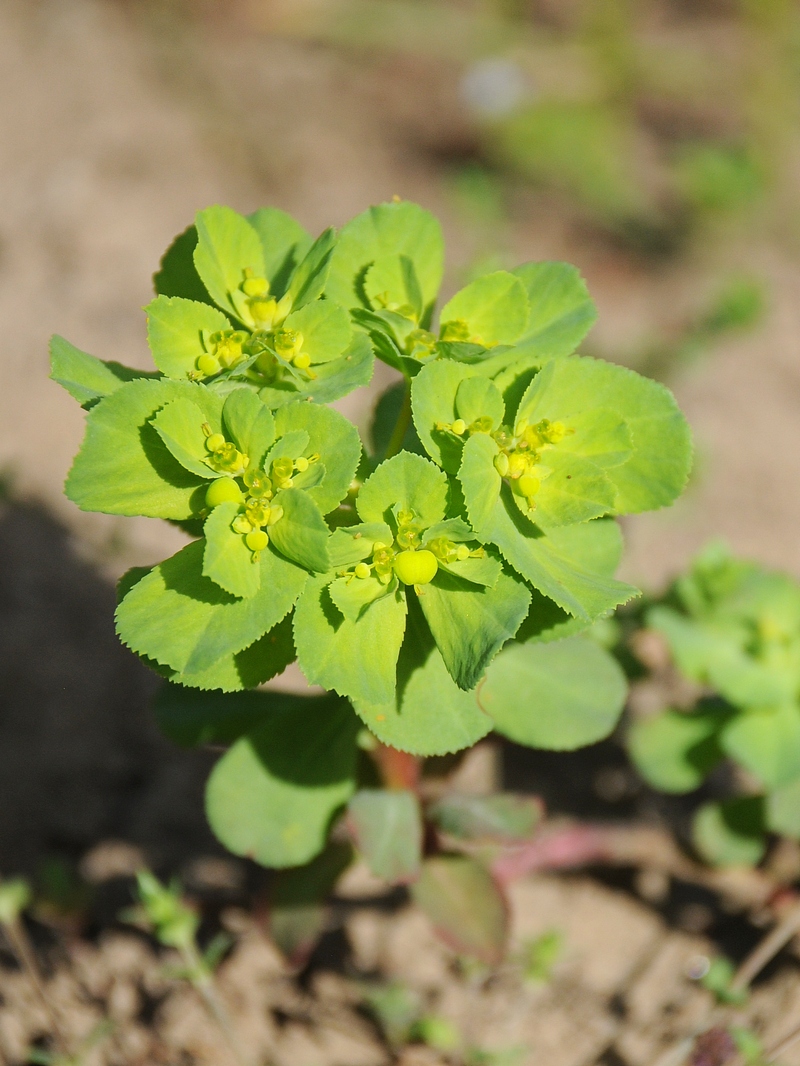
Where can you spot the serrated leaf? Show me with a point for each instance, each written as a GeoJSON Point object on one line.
{"type": "Point", "coordinates": [471, 624]}
{"type": "Point", "coordinates": [326, 330]}
{"type": "Point", "coordinates": [387, 830]}
{"type": "Point", "coordinates": [477, 397]}
{"type": "Point", "coordinates": [261, 661]}
{"type": "Point", "coordinates": [428, 714]}
{"type": "Point", "coordinates": [406, 482]}
{"type": "Point", "coordinates": [272, 795]}
{"type": "Point", "coordinates": [782, 810]}
{"type": "Point", "coordinates": [356, 659]}
{"type": "Point", "coordinates": [86, 378]}
{"type": "Point", "coordinates": [353, 595]}
{"type": "Point", "coordinates": [226, 559]}
{"type": "Point", "coordinates": [561, 310]}
{"type": "Point", "coordinates": [178, 275]}
{"type": "Point", "coordinates": [308, 281]}
{"type": "Point", "coordinates": [766, 741]}
{"type": "Point", "coordinates": [503, 817]}
{"type": "Point", "coordinates": [558, 696]}
{"type": "Point", "coordinates": [572, 490]}
{"type": "Point", "coordinates": [544, 560]}
{"type": "Point", "coordinates": [391, 282]}
{"type": "Point", "coordinates": [484, 570]}
{"type": "Point", "coordinates": [433, 403]}
{"type": "Point", "coordinates": [466, 906]}
{"type": "Point", "coordinates": [334, 439]}
{"type": "Point", "coordinates": [182, 619]}
{"type": "Point", "coordinates": [190, 718]}
{"type": "Point", "coordinates": [350, 544]}
{"type": "Point", "coordinates": [494, 307]}
{"type": "Point", "coordinates": [658, 468]}
{"type": "Point", "coordinates": [731, 833]}
{"type": "Point", "coordinates": [332, 380]}
{"type": "Point", "coordinates": [675, 751]}
{"type": "Point", "coordinates": [284, 243]}
{"type": "Point", "coordinates": [175, 333]}
{"type": "Point", "coordinates": [227, 246]}
{"type": "Point", "coordinates": [123, 466]}
{"type": "Point", "coordinates": [180, 426]}
{"type": "Point", "coordinates": [392, 229]}
{"type": "Point", "coordinates": [301, 535]}
{"type": "Point", "coordinates": [250, 424]}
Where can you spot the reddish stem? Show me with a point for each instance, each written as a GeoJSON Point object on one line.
{"type": "Point", "coordinates": [398, 769]}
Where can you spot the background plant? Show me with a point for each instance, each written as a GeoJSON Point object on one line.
{"type": "Point", "coordinates": [437, 586]}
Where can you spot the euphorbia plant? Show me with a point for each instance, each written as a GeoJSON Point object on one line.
{"type": "Point", "coordinates": [435, 584]}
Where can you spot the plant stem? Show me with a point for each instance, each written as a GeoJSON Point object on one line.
{"type": "Point", "coordinates": [402, 423]}
{"type": "Point", "coordinates": [203, 983]}
{"type": "Point", "coordinates": [767, 949]}
{"type": "Point", "coordinates": [399, 769]}
{"type": "Point", "coordinates": [23, 949]}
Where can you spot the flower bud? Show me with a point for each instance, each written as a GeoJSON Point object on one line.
{"type": "Point", "coordinates": [208, 365]}
{"type": "Point", "coordinates": [253, 286]}
{"type": "Point", "coordinates": [362, 571]}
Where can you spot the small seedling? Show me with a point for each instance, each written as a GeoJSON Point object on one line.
{"type": "Point", "coordinates": [541, 955]}
{"type": "Point", "coordinates": [718, 979]}
{"type": "Point", "coordinates": [437, 1032]}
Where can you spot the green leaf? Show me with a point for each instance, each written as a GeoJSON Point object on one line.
{"type": "Point", "coordinates": [466, 906]}
{"type": "Point", "coordinates": [297, 911]}
{"type": "Point", "coordinates": [227, 246]}
{"type": "Point", "coordinates": [494, 307]}
{"type": "Point", "coordinates": [180, 426]}
{"type": "Point", "coordinates": [181, 619]}
{"type": "Point", "coordinates": [326, 330]}
{"type": "Point", "coordinates": [332, 380]}
{"type": "Point", "coordinates": [124, 467]}
{"type": "Point", "coordinates": [308, 281]}
{"type": "Point", "coordinates": [350, 544]}
{"type": "Point", "coordinates": [301, 535]}
{"type": "Point", "coordinates": [227, 560]}
{"type": "Point", "coordinates": [356, 659]}
{"type": "Point", "coordinates": [561, 310]}
{"type": "Point", "coordinates": [190, 718]}
{"type": "Point", "coordinates": [391, 283]}
{"type": "Point", "coordinates": [178, 275]}
{"type": "Point", "coordinates": [266, 658]}
{"type": "Point", "coordinates": [572, 490]}
{"type": "Point", "coordinates": [334, 439]}
{"type": "Point", "coordinates": [731, 833]}
{"type": "Point", "coordinates": [782, 813]}
{"type": "Point", "coordinates": [353, 595]}
{"type": "Point", "coordinates": [428, 714]}
{"type": "Point", "coordinates": [249, 423]}
{"type": "Point", "coordinates": [558, 696]}
{"type": "Point", "coordinates": [471, 624]}
{"type": "Point", "coordinates": [675, 751]}
{"type": "Point", "coordinates": [405, 482]}
{"type": "Point", "coordinates": [387, 830]}
{"type": "Point", "coordinates": [566, 390]}
{"type": "Point", "coordinates": [766, 741]}
{"type": "Point", "coordinates": [477, 397]}
{"type": "Point", "coordinates": [392, 229]}
{"type": "Point", "coordinates": [86, 378]}
{"type": "Point", "coordinates": [272, 795]}
{"type": "Point", "coordinates": [433, 403]}
{"type": "Point", "coordinates": [284, 243]}
{"type": "Point", "coordinates": [549, 561]}
{"type": "Point", "coordinates": [501, 818]}
{"type": "Point", "coordinates": [175, 330]}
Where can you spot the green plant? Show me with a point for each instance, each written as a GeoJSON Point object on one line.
{"type": "Point", "coordinates": [734, 627]}
{"type": "Point", "coordinates": [439, 587]}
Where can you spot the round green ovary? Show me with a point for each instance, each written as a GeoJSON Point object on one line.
{"type": "Point", "coordinates": [416, 567]}
{"type": "Point", "coordinates": [257, 540]}
{"type": "Point", "coordinates": [223, 490]}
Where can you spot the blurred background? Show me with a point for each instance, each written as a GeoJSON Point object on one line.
{"type": "Point", "coordinates": [653, 143]}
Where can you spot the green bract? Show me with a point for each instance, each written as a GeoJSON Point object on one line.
{"type": "Point", "coordinates": [734, 627]}
{"type": "Point", "coordinates": [436, 596]}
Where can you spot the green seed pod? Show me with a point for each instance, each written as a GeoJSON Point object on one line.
{"type": "Point", "coordinates": [501, 464]}
{"type": "Point", "coordinates": [462, 553]}
{"type": "Point", "coordinates": [517, 465]}
{"type": "Point", "coordinates": [208, 365]}
{"type": "Point", "coordinates": [301, 464]}
{"type": "Point", "coordinates": [529, 484]}
{"type": "Point", "coordinates": [215, 442]}
{"type": "Point", "coordinates": [416, 567]}
{"type": "Point", "coordinates": [254, 286]}
{"type": "Point", "coordinates": [362, 571]}
{"type": "Point", "coordinates": [257, 540]}
{"type": "Point", "coordinates": [459, 427]}
{"type": "Point", "coordinates": [223, 490]}
{"type": "Point", "coordinates": [302, 361]}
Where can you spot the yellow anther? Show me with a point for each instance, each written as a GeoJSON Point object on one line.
{"type": "Point", "coordinates": [215, 442]}
{"type": "Point", "coordinates": [223, 490]}
{"type": "Point", "coordinates": [302, 361]}
{"type": "Point", "coordinates": [275, 515]}
{"type": "Point", "coordinates": [254, 286]}
{"type": "Point", "coordinates": [416, 567]}
{"type": "Point", "coordinates": [301, 464]}
{"type": "Point", "coordinates": [501, 464]}
{"type": "Point", "coordinates": [257, 540]}
{"type": "Point", "coordinates": [208, 365]}
{"type": "Point", "coordinates": [457, 330]}
{"type": "Point", "coordinates": [362, 571]}
{"type": "Point", "coordinates": [241, 525]}
{"type": "Point", "coordinates": [462, 552]}
{"type": "Point", "coordinates": [459, 427]}
{"type": "Point", "coordinates": [529, 484]}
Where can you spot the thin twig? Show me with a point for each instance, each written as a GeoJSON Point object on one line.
{"type": "Point", "coordinates": [767, 949]}
{"type": "Point", "coordinates": [774, 1052]}
{"type": "Point", "coordinates": [203, 983]}
{"type": "Point", "coordinates": [22, 948]}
